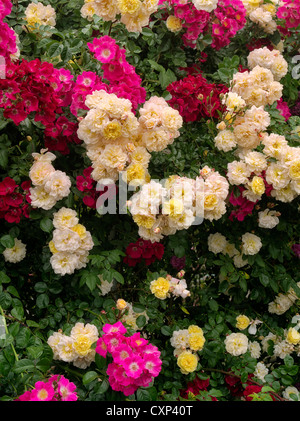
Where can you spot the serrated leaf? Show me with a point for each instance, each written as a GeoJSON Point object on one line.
{"type": "Point", "coordinates": [23, 365]}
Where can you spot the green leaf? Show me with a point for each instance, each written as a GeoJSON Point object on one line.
{"type": "Point", "coordinates": [143, 395]}
{"type": "Point", "coordinates": [91, 280]}
{"type": "Point", "coordinates": [104, 386]}
{"type": "Point", "coordinates": [213, 305]}
{"type": "Point", "coordinates": [44, 364]}
{"type": "Point", "coordinates": [18, 312]}
{"type": "Point", "coordinates": [4, 279]}
{"type": "Point", "coordinates": [23, 365]}
{"type": "Point", "coordinates": [7, 241]}
{"type": "Point", "coordinates": [243, 284]}
{"type": "Point", "coordinates": [32, 323]}
{"type": "Point", "coordinates": [100, 361]}
{"type": "Point", "coordinates": [166, 330]}
{"type": "Point", "coordinates": [55, 49]}
{"type": "Point", "coordinates": [42, 301]}
{"type": "Point", "coordinates": [3, 158]}
{"type": "Point", "coordinates": [46, 225]}
{"type": "Point", "coordinates": [118, 277]}
{"type": "Point", "coordinates": [89, 377]}
{"type": "Point", "coordinates": [12, 290]}
{"type": "Point", "coordinates": [141, 321]}
{"type": "Point", "coordinates": [264, 279]}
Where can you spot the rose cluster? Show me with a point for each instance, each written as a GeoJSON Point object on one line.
{"type": "Point", "coordinates": [250, 245]}
{"type": "Point", "coordinates": [49, 185]}
{"type": "Point", "coordinates": [194, 18]}
{"type": "Point", "coordinates": [187, 343]}
{"type": "Point", "coordinates": [122, 77]}
{"type": "Point", "coordinates": [161, 210]}
{"type": "Point", "coordinates": [170, 286]}
{"type": "Point", "coordinates": [9, 40]}
{"type": "Point", "coordinates": [36, 14]}
{"type": "Point", "coordinates": [278, 165]}
{"type": "Point", "coordinates": [289, 13]}
{"type": "Point", "coordinates": [135, 361]}
{"type": "Point", "coordinates": [37, 89]}
{"type": "Point", "coordinates": [134, 14]}
{"type": "Point", "coordinates": [56, 388]}
{"type": "Point", "coordinates": [143, 251]}
{"type": "Point", "coordinates": [70, 244]}
{"type": "Point", "coordinates": [195, 98]}
{"type": "Point", "coordinates": [117, 141]}
{"type": "Point", "coordinates": [14, 200]}
{"type": "Point", "coordinates": [76, 347]}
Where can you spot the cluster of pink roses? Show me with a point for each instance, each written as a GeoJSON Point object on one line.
{"type": "Point", "coordinates": [123, 79]}
{"type": "Point", "coordinates": [8, 37]}
{"type": "Point", "coordinates": [56, 388]}
{"type": "Point", "coordinates": [222, 23]}
{"type": "Point", "coordinates": [230, 17]}
{"type": "Point", "coordinates": [86, 83]}
{"type": "Point", "coordinates": [289, 12]}
{"type": "Point", "coordinates": [135, 361]}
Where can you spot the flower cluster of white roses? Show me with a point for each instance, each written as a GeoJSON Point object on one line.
{"type": "Point", "coordinates": [278, 164]}
{"type": "Point", "coordinates": [49, 185]}
{"type": "Point", "coordinates": [245, 118]}
{"type": "Point", "coordinates": [190, 339]}
{"type": "Point", "coordinates": [269, 59]}
{"type": "Point", "coordinates": [283, 302]}
{"type": "Point", "coordinates": [70, 244]}
{"type": "Point", "coordinates": [262, 13]}
{"type": "Point", "coordinates": [117, 141]}
{"type": "Point", "coordinates": [250, 245]}
{"type": "Point", "coordinates": [244, 129]}
{"type": "Point", "coordinates": [76, 347]}
{"type": "Point", "coordinates": [135, 14]}
{"type": "Point", "coordinates": [285, 344]}
{"type": "Point", "coordinates": [162, 208]}
{"type": "Point", "coordinates": [38, 14]}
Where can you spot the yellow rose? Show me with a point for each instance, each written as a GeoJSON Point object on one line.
{"type": "Point", "coordinates": [195, 329]}
{"type": "Point", "coordinates": [121, 304]}
{"type": "Point", "coordinates": [144, 221]}
{"type": "Point", "coordinates": [293, 336]}
{"type": "Point", "coordinates": [160, 288]}
{"type": "Point", "coordinates": [82, 345]}
{"type": "Point", "coordinates": [196, 341]}
{"type": "Point", "coordinates": [187, 362]}
{"type": "Point", "coordinates": [257, 185]}
{"type": "Point", "coordinates": [112, 130]}
{"type": "Point", "coordinates": [80, 230]}
{"type": "Point", "coordinates": [242, 322]}
{"type": "Point", "coordinates": [173, 24]}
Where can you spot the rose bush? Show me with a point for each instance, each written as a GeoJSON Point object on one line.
{"type": "Point", "coordinates": [149, 198]}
